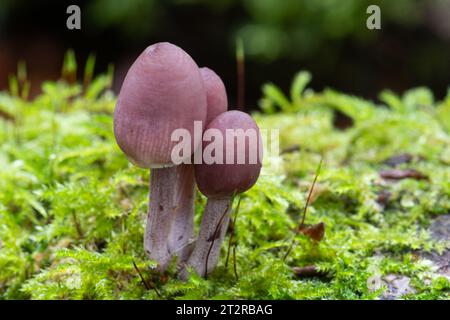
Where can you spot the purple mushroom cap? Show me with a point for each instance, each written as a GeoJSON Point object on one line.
{"type": "Point", "coordinates": [216, 94]}
{"type": "Point", "coordinates": [162, 91]}
{"type": "Point", "coordinates": [223, 180]}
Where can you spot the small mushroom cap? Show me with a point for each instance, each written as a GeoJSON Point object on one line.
{"type": "Point", "coordinates": [162, 91]}
{"type": "Point", "coordinates": [223, 180]}
{"type": "Point", "coordinates": [216, 95]}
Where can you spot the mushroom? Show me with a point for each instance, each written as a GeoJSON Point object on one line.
{"type": "Point", "coordinates": [216, 95]}
{"type": "Point", "coordinates": [219, 182]}
{"type": "Point", "coordinates": [181, 236]}
{"type": "Point", "coordinates": [162, 91]}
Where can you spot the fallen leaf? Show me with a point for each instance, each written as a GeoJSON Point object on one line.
{"type": "Point", "coordinates": [341, 121]}
{"type": "Point", "coordinates": [383, 197]}
{"type": "Point", "coordinates": [399, 159]}
{"type": "Point", "coordinates": [308, 272]}
{"type": "Point", "coordinates": [314, 232]}
{"type": "Point", "coordinates": [397, 174]}
{"type": "Point", "coordinates": [397, 286]}
{"type": "Point", "coordinates": [164, 278]}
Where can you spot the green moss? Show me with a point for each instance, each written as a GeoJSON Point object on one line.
{"type": "Point", "coordinates": [72, 208]}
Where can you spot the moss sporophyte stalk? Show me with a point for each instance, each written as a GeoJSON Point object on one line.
{"type": "Point", "coordinates": [73, 208]}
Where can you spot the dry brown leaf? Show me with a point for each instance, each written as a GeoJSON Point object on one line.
{"type": "Point", "coordinates": [397, 174]}
{"type": "Point", "coordinates": [315, 232]}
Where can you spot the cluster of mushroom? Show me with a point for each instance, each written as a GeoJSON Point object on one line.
{"type": "Point", "coordinates": [165, 90]}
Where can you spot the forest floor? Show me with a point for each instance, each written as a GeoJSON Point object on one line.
{"type": "Point", "coordinates": [72, 208]}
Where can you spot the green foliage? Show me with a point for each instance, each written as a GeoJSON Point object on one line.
{"type": "Point", "coordinates": [72, 208]}
{"type": "Point", "coordinates": [296, 28]}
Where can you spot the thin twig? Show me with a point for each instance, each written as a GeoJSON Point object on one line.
{"type": "Point", "coordinates": [305, 208]}
{"type": "Point", "coordinates": [233, 232]}
{"type": "Point", "coordinates": [310, 192]}
{"type": "Point", "coordinates": [77, 225]}
{"type": "Point", "coordinates": [289, 249]}
{"type": "Point", "coordinates": [140, 276]}
{"type": "Point", "coordinates": [308, 271]}
{"type": "Point", "coordinates": [229, 245]}
{"type": "Point", "coordinates": [146, 285]}
{"type": "Point", "coordinates": [234, 262]}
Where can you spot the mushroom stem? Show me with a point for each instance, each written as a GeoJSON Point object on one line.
{"type": "Point", "coordinates": [160, 215]}
{"type": "Point", "coordinates": [181, 236]}
{"type": "Point", "coordinates": [212, 233]}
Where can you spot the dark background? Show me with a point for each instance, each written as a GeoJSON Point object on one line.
{"type": "Point", "coordinates": [329, 38]}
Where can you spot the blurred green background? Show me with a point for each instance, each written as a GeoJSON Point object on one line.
{"type": "Point", "coordinates": [328, 37]}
